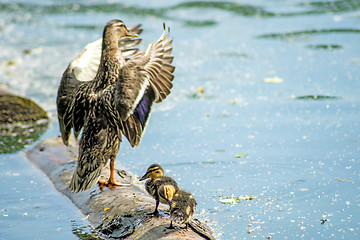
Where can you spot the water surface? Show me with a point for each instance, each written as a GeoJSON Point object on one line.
{"type": "Point", "coordinates": [298, 137]}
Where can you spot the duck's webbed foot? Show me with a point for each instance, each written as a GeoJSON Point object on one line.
{"type": "Point", "coordinates": [112, 183]}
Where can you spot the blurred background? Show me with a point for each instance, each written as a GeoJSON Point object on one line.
{"type": "Point", "coordinates": [265, 103]}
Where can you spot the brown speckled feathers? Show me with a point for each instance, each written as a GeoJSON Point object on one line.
{"type": "Point", "coordinates": [107, 92]}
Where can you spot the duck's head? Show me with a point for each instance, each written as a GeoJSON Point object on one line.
{"type": "Point", "coordinates": [154, 171]}
{"type": "Point", "coordinates": [116, 29]}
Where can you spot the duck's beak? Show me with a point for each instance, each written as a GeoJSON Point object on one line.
{"type": "Point", "coordinates": [144, 177]}
{"type": "Point", "coordinates": [129, 34]}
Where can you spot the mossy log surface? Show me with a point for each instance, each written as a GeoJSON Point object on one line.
{"type": "Point", "coordinates": [117, 213]}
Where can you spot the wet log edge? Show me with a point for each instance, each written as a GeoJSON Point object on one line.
{"type": "Point", "coordinates": [118, 213]}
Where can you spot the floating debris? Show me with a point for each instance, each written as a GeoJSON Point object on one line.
{"type": "Point", "coordinates": [240, 155]}
{"type": "Point", "coordinates": [231, 200]}
{"type": "Point", "coordinates": [323, 221]}
{"type": "Point", "coordinates": [252, 229]}
{"type": "Point", "coordinates": [273, 80]}
{"type": "Point", "coordinates": [106, 209]}
{"type": "Point", "coordinates": [343, 180]}
{"type": "Point", "coordinates": [201, 90]}
{"type": "Point", "coordinates": [325, 46]}
{"type": "Point", "coordinates": [247, 198]}
{"type": "Point", "coordinates": [316, 97]}
{"type": "Point", "coordinates": [11, 62]}
{"type": "Point", "coordinates": [199, 93]}
{"type": "Point", "coordinates": [33, 51]}
{"type": "Point", "coordinates": [234, 200]}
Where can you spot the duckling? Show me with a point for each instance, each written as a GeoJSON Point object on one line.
{"type": "Point", "coordinates": [164, 189]}
{"type": "Point", "coordinates": [157, 180]}
{"type": "Point", "coordinates": [182, 205]}
{"type": "Point", "coordinates": [114, 101]}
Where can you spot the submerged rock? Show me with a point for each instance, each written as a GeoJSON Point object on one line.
{"type": "Point", "coordinates": [17, 109]}
{"type": "Point", "coordinates": [21, 121]}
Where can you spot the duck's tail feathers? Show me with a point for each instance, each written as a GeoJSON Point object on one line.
{"type": "Point", "coordinates": [82, 182]}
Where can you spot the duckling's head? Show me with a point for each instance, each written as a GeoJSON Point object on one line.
{"type": "Point", "coordinates": [154, 171]}
{"type": "Point", "coordinates": [114, 30]}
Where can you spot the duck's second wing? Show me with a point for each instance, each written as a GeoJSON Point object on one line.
{"type": "Point", "coordinates": [144, 79]}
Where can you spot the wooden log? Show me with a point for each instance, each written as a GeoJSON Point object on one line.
{"type": "Point", "coordinates": [117, 213]}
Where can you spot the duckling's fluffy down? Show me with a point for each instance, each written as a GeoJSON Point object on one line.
{"type": "Point", "coordinates": [183, 206]}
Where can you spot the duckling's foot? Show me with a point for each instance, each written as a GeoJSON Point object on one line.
{"type": "Point", "coordinates": [186, 226]}
{"type": "Point", "coordinates": [171, 226]}
{"type": "Point", "coordinates": [155, 213]}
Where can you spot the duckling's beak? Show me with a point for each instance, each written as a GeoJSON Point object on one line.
{"type": "Point", "coordinates": [129, 34]}
{"type": "Point", "coordinates": [144, 177]}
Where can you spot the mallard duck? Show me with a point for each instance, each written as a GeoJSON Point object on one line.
{"type": "Point", "coordinates": [115, 100]}
{"type": "Point", "coordinates": [157, 180]}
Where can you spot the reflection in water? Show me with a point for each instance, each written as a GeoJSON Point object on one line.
{"type": "Point", "coordinates": [331, 6]}
{"type": "Point", "coordinates": [233, 7]}
{"type": "Point", "coordinates": [85, 232]}
{"type": "Point", "coordinates": [303, 35]}
{"type": "Point", "coordinates": [14, 138]}
{"type": "Point", "coordinates": [248, 10]}
{"type": "Point", "coordinates": [205, 23]}
{"type": "Point", "coordinates": [240, 9]}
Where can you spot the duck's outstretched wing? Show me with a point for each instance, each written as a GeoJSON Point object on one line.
{"type": "Point", "coordinates": [64, 99]}
{"type": "Point", "coordinates": [144, 79]}
{"type": "Point", "coordinates": [83, 69]}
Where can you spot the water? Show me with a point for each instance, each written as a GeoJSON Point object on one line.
{"type": "Point", "coordinates": [299, 138]}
